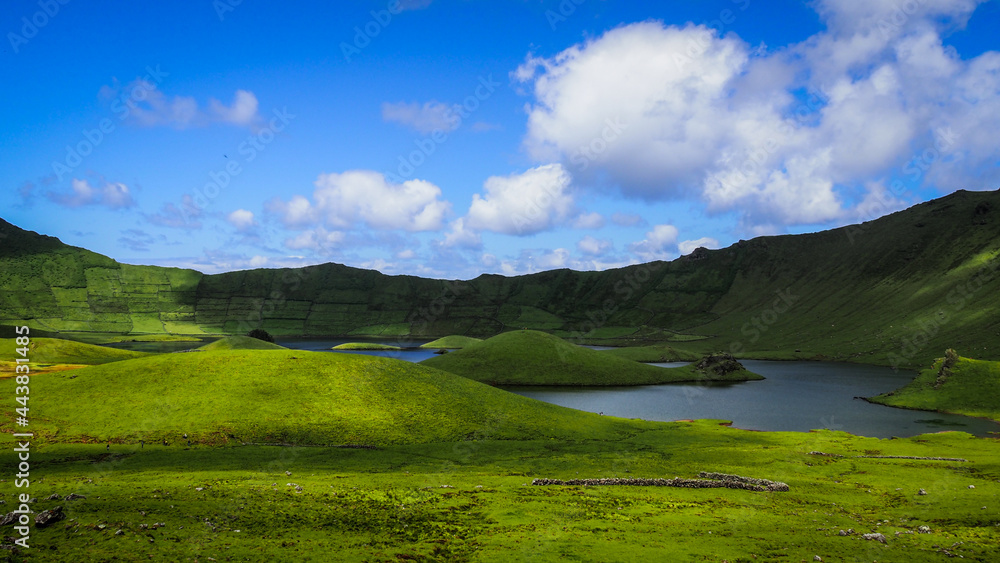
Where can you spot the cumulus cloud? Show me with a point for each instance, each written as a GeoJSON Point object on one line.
{"type": "Point", "coordinates": [426, 118]}
{"type": "Point", "coordinates": [242, 219]}
{"type": "Point", "coordinates": [522, 204]}
{"type": "Point", "coordinates": [688, 246]}
{"type": "Point", "coordinates": [113, 195]}
{"type": "Point", "coordinates": [318, 240]}
{"type": "Point", "coordinates": [589, 221]}
{"type": "Point", "coordinates": [782, 137]}
{"type": "Point", "coordinates": [461, 236]}
{"type": "Point", "coordinates": [343, 200]}
{"type": "Point", "coordinates": [659, 244]}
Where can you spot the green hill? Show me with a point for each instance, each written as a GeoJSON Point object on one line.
{"type": "Point", "coordinates": [59, 351]}
{"type": "Point", "coordinates": [240, 343]}
{"type": "Point", "coordinates": [453, 342]}
{"type": "Point", "coordinates": [365, 346]}
{"type": "Point", "coordinates": [654, 353]}
{"type": "Point", "coordinates": [286, 396]}
{"type": "Point", "coordinates": [528, 357]}
{"type": "Point", "coordinates": [888, 291]}
{"type": "Point", "coordinates": [961, 385]}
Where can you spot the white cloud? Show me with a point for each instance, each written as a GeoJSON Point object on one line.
{"type": "Point", "coordinates": [459, 235]}
{"type": "Point", "coordinates": [594, 247]}
{"type": "Point", "coordinates": [242, 219]}
{"type": "Point", "coordinates": [780, 137]}
{"type": "Point", "coordinates": [144, 104]}
{"type": "Point", "coordinates": [627, 219]}
{"type": "Point", "coordinates": [589, 221]}
{"type": "Point", "coordinates": [688, 246]}
{"type": "Point", "coordinates": [426, 118]}
{"type": "Point", "coordinates": [522, 204]}
{"type": "Point", "coordinates": [659, 244]}
{"type": "Point", "coordinates": [318, 239]}
{"type": "Point", "coordinates": [113, 195]}
{"type": "Point", "coordinates": [186, 216]}
{"type": "Point", "coordinates": [363, 196]}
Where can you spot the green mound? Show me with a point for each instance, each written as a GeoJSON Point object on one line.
{"type": "Point", "coordinates": [954, 385]}
{"type": "Point", "coordinates": [654, 353]}
{"type": "Point", "coordinates": [290, 396]}
{"type": "Point", "coordinates": [528, 357]}
{"type": "Point", "coordinates": [240, 343]}
{"type": "Point", "coordinates": [365, 346]}
{"type": "Point", "coordinates": [453, 342]}
{"type": "Point", "coordinates": [153, 338]}
{"type": "Point", "coordinates": [59, 351]}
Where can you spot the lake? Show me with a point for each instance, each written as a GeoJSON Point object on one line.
{"type": "Point", "coordinates": [796, 396]}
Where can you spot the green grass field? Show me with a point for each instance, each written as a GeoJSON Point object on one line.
{"type": "Point", "coordinates": [972, 388]}
{"type": "Point", "coordinates": [365, 346]}
{"type": "Point", "coordinates": [453, 342]}
{"type": "Point", "coordinates": [527, 357]}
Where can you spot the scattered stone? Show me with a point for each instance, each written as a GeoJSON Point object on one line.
{"type": "Point", "coordinates": [143, 526]}
{"type": "Point", "coordinates": [817, 558]}
{"type": "Point", "coordinates": [55, 496]}
{"type": "Point", "coordinates": [119, 532]}
{"type": "Point", "coordinates": [876, 537]}
{"type": "Point", "coordinates": [921, 492]}
{"type": "Point", "coordinates": [49, 517]}
{"type": "Point", "coordinates": [298, 488]}
{"type": "Point", "coordinates": [447, 487]}
{"type": "Point", "coordinates": [707, 481]}
{"type": "Point", "coordinates": [289, 473]}
{"type": "Point", "coordinates": [199, 489]}
{"type": "Point", "coordinates": [923, 530]}
{"type": "Point", "coordinates": [101, 527]}
{"type": "Point", "coordinates": [8, 519]}
{"type": "Point", "coordinates": [74, 496]}
{"type": "Point", "coordinates": [972, 486]}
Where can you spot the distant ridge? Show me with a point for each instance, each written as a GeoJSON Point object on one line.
{"type": "Point", "coordinates": [892, 290]}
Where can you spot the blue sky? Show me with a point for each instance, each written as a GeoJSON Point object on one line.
{"type": "Point", "coordinates": [449, 138]}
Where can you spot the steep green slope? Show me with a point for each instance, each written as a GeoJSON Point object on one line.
{"type": "Point", "coordinates": [452, 342]}
{"type": "Point", "coordinates": [528, 357]}
{"type": "Point", "coordinates": [240, 343]}
{"type": "Point", "coordinates": [889, 291]}
{"type": "Point", "coordinates": [266, 396]}
{"type": "Point", "coordinates": [59, 351]}
{"type": "Point", "coordinates": [963, 386]}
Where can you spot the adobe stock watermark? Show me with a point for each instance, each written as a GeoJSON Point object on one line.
{"type": "Point", "coordinates": [223, 7]}
{"type": "Point", "coordinates": [703, 40]}
{"type": "Point", "coordinates": [585, 154]}
{"type": "Point", "coordinates": [764, 320]}
{"type": "Point", "coordinates": [122, 106]}
{"type": "Point", "coordinates": [364, 35]}
{"type": "Point", "coordinates": [563, 11]}
{"type": "Point", "coordinates": [31, 26]}
{"type": "Point", "coordinates": [250, 148]}
{"type": "Point", "coordinates": [624, 290]}
{"type": "Point", "coordinates": [890, 25]}
{"type": "Point", "coordinates": [456, 115]}
{"type": "Point", "coordinates": [914, 170]}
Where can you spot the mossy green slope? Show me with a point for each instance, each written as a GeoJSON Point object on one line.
{"type": "Point", "coordinates": [972, 388]}
{"type": "Point", "coordinates": [271, 396]}
{"type": "Point", "coordinates": [365, 346]}
{"type": "Point", "coordinates": [528, 357]}
{"type": "Point", "coordinates": [240, 343]}
{"type": "Point", "coordinates": [60, 351]}
{"type": "Point", "coordinates": [453, 342]}
{"type": "Point", "coordinates": [654, 353]}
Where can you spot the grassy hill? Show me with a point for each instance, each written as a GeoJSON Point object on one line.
{"type": "Point", "coordinates": [891, 291]}
{"type": "Point", "coordinates": [271, 396]}
{"type": "Point", "coordinates": [59, 351]}
{"type": "Point", "coordinates": [528, 357]}
{"type": "Point", "coordinates": [453, 342]}
{"type": "Point", "coordinates": [365, 346]}
{"type": "Point", "coordinates": [963, 386]}
{"type": "Point", "coordinates": [654, 353]}
{"type": "Point", "coordinates": [240, 343]}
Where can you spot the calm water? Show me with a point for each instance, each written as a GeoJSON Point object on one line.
{"type": "Point", "coordinates": [796, 396]}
